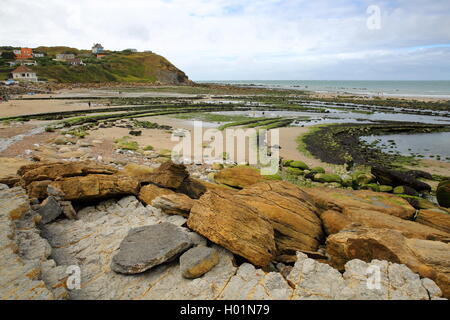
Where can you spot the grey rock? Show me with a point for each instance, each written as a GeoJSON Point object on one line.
{"type": "Point", "coordinates": [146, 247]}
{"type": "Point", "coordinates": [197, 261]}
{"type": "Point", "coordinates": [49, 210]}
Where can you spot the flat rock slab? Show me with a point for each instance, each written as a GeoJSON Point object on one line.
{"type": "Point", "coordinates": [197, 261]}
{"type": "Point", "coordinates": [146, 247]}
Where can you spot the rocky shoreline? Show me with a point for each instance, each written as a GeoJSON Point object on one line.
{"type": "Point", "coordinates": [264, 240]}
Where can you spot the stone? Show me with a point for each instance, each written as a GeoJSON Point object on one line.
{"type": "Point", "coordinates": [294, 171]}
{"type": "Point", "coordinates": [96, 186]}
{"type": "Point", "coordinates": [168, 175]}
{"type": "Point", "coordinates": [286, 163]}
{"type": "Point", "coordinates": [239, 177]}
{"type": "Point", "coordinates": [49, 210]}
{"type": "Point", "coordinates": [384, 188]}
{"type": "Point", "coordinates": [146, 247]}
{"type": "Point", "coordinates": [363, 178]}
{"type": "Point", "coordinates": [313, 280]}
{"type": "Point", "coordinates": [435, 218]}
{"type": "Point", "coordinates": [430, 259]}
{"type": "Point", "coordinates": [193, 188]}
{"type": "Point", "coordinates": [58, 170]}
{"type": "Point", "coordinates": [399, 178]}
{"type": "Point", "coordinates": [233, 225]}
{"type": "Point", "coordinates": [250, 283]}
{"type": "Point", "coordinates": [290, 211]}
{"type": "Point", "coordinates": [197, 261]}
{"type": "Point", "coordinates": [443, 194]}
{"type": "Point", "coordinates": [175, 203]}
{"type": "Point", "coordinates": [318, 170]}
{"type": "Point", "coordinates": [405, 190]}
{"type": "Point", "coordinates": [336, 221]}
{"type": "Point", "coordinates": [68, 210]}
{"type": "Point", "coordinates": [340, 200]}
{"type": "Point", "coordinates": [150, 192]}
{"type": "Point", "coordinates": [323, 177]}
{"type": "Point", "coordinates": [299, 165]}
{"type": "Point", "coordinates": [217, 166]}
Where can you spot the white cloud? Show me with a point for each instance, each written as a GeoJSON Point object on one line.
{"type": "Point", "coordinates": [247, 39]}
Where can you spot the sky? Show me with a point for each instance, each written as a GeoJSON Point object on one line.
{"type": "Point", "coordinates": [251, 39]}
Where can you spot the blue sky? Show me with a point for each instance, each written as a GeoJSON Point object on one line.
{"type": "Point", "coordinates": [250, 39]}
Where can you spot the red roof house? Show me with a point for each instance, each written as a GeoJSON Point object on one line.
{"type": "Point", "coordinates": [25, 53]}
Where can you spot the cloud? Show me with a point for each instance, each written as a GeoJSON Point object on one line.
{"type": "Point", "coordinates": [249, 39]}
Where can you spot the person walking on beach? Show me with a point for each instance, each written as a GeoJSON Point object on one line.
{"type": "Point", "coordinates": [89, 103]}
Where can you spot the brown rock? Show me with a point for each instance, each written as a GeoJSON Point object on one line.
{"type": "Point", "coordinates": [10, 180]}
{"type": "Point", "coordinates": [38, 189]}
{"type": "Point", "coordinates": [431, 259]}
{"type": "Point", "coordinates": [192, 188]}
{"type": "Point", "coordinates": [436, 218]}
{"type": "Point", "coordinates": [176, 203]}
{"type": "Point", "coordinates": [290, 211]}
{"type": "Point", "coordinates": [96, 186]}
{"type": "Point", "coordinates": [339, 199]}
{"type": "Point", "coordinates": [54, 171]}
{"type": "Point", "coordinates": [334, 222]}
{"type": "Point", "coordinates": [8, 170]}
{"type": "Point", "coordinates": [234, 225]}
{"type": "Point", "coordinates": [168, 175]}
{"type": "Point", "coordinates": [239, 177]}
{"type": "Point", "coordinates": [150, 192]}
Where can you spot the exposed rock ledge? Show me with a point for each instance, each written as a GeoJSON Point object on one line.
{"type": "Point", "coordinates": [92, 241]}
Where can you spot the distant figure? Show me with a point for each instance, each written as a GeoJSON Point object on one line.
{"type": "Point", "coordinates": [89, 103]}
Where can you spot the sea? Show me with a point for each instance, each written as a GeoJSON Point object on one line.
{"type": "Point", "coordinates": [431, 89]}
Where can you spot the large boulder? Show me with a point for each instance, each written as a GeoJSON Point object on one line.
{"type": "Point", "coordinates": [60, 170]}
{"type": "Point", "coordinates": [176, 203]}
{"type": "Point", "coordinates": [168, 175]}
{"type": "Point", "coordinates": [339, 199]}
{"type": "Point", "coordinates": [291, 212]}
{"type": "Point", "coordinates": [443, 194]}
{"type": "Point", "coordinates": [234, 225]}
{"type": "Point", "coordinates": [430, 259]}
{"type": "Point", "coordinates": [192, 188]}
{"type": "Point", "coordinates": [239, 177]}
{"type": "Point", "coordinates": [96, 186]}
{"type": "Point", "coordinates": [146, 247]}
{"type": "Point", "coordinates": [399, 178]}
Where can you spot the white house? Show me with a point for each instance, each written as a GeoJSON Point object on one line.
{"type": "Point", "coordinates": [38, 55]}
{"type": "Point", "coordinates": [23, 73]}
{"type": "Point", "coordinates": [65, 56]}
{"type": "Point", "coordinates": [22, 63]}
{"type": "Point", "coordinates": [97, 48]}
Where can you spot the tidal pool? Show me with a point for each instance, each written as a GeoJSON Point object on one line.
{"type": "Point", "coordinates": [420, 145]}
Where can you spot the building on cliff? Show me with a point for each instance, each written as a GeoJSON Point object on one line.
{"type": "Point", "coordinates": [97, 48]}
{"type": "Point", "coordinates": [23, 73]}
{"type": "Point", "coordinates": [24, 53]}
{"type": "Point", "coordinates": [65, 56]}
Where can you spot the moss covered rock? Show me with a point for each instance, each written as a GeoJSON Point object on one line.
{"type": "Point", "coordinates": [318, 170]}
{"type": "Point", "coordinates": [443, 194]}
{"type": "Point", "coordinates": [384, 188]}
{"type": "Point", "coordinates": [405, 190]}
{"type": "Point", "coordinates": [294, 171]}
{"type": "Point", "coordinates": [364, 178]}
{"type": "Point", "coordinates": [324, 177]}
{"type": "Point", "coordinates": [299, 164]}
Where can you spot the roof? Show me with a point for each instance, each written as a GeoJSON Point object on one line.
{"type": "Point", "coordinates": [97, 45]}
{"type": "Point", "coordinates": [22, 69]}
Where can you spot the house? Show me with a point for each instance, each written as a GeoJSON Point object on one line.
{"type": "Point", "coordinates": [24, 53]}
{"type": "Point", "coordinates": [97, 48]}
{"type": "Point", "coordinates": [38, 55]}
{"type": "Point", "coordinates": [22, 63]}
{"type": "Point", "coordinates": [65, 56]}
{"type": "Point", "coordinates": [131, 50]}
{"type": "Point", "coordinates": [23, 73]}
{"type": "Point", "coordinates": [76, 62]}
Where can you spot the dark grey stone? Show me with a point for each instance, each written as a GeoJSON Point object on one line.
{"type": "Point", "coordinates": [146, 247]}
{"type": "Point", "coordinates": [49, 210]}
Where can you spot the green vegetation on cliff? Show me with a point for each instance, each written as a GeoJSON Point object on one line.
{"type": "Point", "coordinates": [115, 66]}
